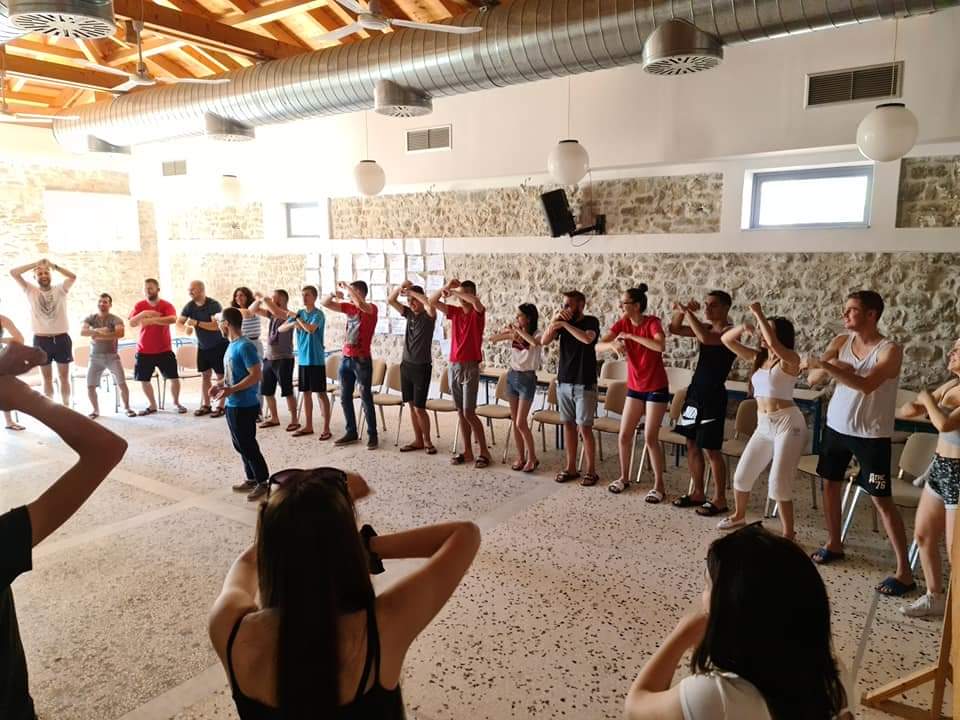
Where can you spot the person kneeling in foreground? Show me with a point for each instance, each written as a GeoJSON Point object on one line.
{"type": "Point", "coordinates": [298, 626]}
{"type": "Point", "coordinates": [762, 642]}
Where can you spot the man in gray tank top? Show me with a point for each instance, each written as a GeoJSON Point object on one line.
{"type": "Point", "coordinates": [278, 359]}
{"type": "Point", "coordinates": [416, 368]}
{"type": "Point", "coordinates": [860, 418]}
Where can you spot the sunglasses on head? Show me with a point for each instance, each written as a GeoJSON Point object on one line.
{"type": "Point", "coordinates": [292, 476]}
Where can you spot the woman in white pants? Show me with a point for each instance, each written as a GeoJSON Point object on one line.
{"type": "Point", "coordinates": [781, 428]}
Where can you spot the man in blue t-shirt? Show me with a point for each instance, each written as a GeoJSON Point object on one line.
{"type": "Point", "coordinates": [200, 315]}
{"type": "Point", "coordinates": [311, 360]}
{"type": "Point", "coordinates": [240, 387]}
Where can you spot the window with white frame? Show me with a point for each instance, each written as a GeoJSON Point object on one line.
{"type": "Point", "coordinates": [304, 220]}
{"type": "Point", "coordinates": [824, 197]}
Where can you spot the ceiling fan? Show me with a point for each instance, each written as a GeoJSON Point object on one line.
{"type": "Point", "coordinates": [19, 117]}
{"type": "Point", "coordinates": [370, 18]}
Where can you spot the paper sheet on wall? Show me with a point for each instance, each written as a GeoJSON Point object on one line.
{"type": "Point", "coordinates": [393, 313]}
{"type": "Point", "coordinates": [377, 262]}
{"type": "Point", "coordinates": [397, 262]}
{"type": "Point", "coordinates": [354, 246]}
{"type": "Point", "coordinates": [434, 246]}
{"type": "Point", "coordinates": [362, 275]}
{"type": "Point", "coordinates": [345, 267]}
{"type": "Point", "coordinates": [398, 327]}
{"type": "Point", "coordinates": [311, 260]}
{"type": "Point", "coordinates": [328, 280]}
{"type": "Point", "coordinates": [327, 260]}
{"type": "Point", "coordinates": [445, 347]}
{"type": "Point", "coordinates": [415, 263]}
{"type": "Point", "coordinates": [412, 246]}
{"type": "Point", "coordinates": [435, 263]}
{"type": "Point", "coordinates": [394, 246]}
{"type": "Point", "coordinates": [417, 279]}
{"type": "Point", "coordinates": [434, 283]}
{"type": "Point", "coordinates": [311, 277]}
{"type": "Point", "coordinates": [374, 246]}
{"type": "Point", "coordinates": [379, 292]}
{"type": "Point", "coordinates": [438, 332]}
{"type": "Point", "coordinates": [361, 262]}
{"type": "Point", "coordinates": [378, 277]}
{"type": "Point", "coordinates": [397, 276]}
{"type": "Point", "coordinates": [382, 310]}
{"type": "Point", "coordinates": [383, 326]}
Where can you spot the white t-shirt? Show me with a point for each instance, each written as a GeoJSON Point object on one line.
{"type": "Point", "coordinates": [721, 696]}
{"type": "Point", "coordinates": [523, 359]}
{"type": "Point", "coordinates": [48, 309]}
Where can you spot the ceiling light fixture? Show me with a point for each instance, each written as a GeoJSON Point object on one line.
{"type": "Point", "coordinates": [231, 190]}
{"type": "Point", "coordinates": [568, 162]}
{"type": "Point", "coordinates": [368, 175]}
{"type": "Point", "coordinates": [890, 130]}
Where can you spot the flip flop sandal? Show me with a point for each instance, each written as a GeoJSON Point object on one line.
{"type": "Point", "coordinates": [654, 497]}
{"type": "Point", "coordinates": [458, 459]}
{"type": "Point", "coordinates": [708, 509]}
{"type": "Point", "coordinates": [563, 476]}
{"type": "Point", "coordinates": [202, 410]}
{"type": "Point", "coordinates": [616, 487]}
{"type": "Point", "coordinates": [823, 556]}
{"type": "Point", "coordinates": [15, 427]}
{"type": "Point", "coordinates": [181, 410]}
{"type": "Point", "coordinates": [268, 424]}
{"type": "Point", "coordinates": [322, 436]}
{"type": "Point", "coordinates": [517, 466]}
{"type": "Point", "coordinates": [410, 448]}
{"type": "Point", "coordinates": [147, 411]}
{"type": "Point", "coordinates": [293, 426]}
{"type": "Point", "coordinates": [589, 480]}
{"type": "Point", "coordinates": [728, 524]}
{"type": "Point", "coordinates": [532, 469]}
{"type": "Point", "coordinates": [131, 413]}
{"type": "Point", "coordinates": [431, 450]}
{"type": "Point", "coordinates": [301, 433]}
{"type": "Point", "coordinates": [93, 416]}
{"type": "Point", "coordinates": [217, 413]}
{"type": "Point", "coordinates": [891, 587]}
{"type": "Point", "coordinates": [481, 462]}
{"type": "Point", "coordinates": [685, 501]}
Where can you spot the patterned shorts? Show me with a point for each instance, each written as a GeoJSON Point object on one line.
{"type": "Point", "coordinates": [943, 479]}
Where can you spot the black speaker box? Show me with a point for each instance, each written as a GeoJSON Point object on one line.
{"type": "Point", "coordinates": [557, 210]}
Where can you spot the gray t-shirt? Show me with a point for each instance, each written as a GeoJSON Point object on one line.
{"type": "Point", "coordinates": [417, 344]}
{"type": "Point", "coordinates": [101, 346]}
{"type": "Point", "coordinates": [279, 344]}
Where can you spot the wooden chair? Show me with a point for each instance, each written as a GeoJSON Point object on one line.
{"type": "Point", "coordinates": [383, 398]}
{"type": "Point", "coordinates": [613, 403]}
{"type": "Point", "coordinates": [496, 411]}
{"type": "Point", "coordinates": [678, 378]}
{"type": "Point", "coordinates": [548, 414]}
{"type": "Point", "coordinates": [81, 363]}
{"type": "Point", "coordinates": [128, 360]}
{"type": "Point", "coordinates": [443, 405]}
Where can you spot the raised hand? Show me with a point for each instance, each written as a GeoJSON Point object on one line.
{"type": "Point", "coordinates": [17, 358]}
{"type": "Point", "coordinates": [755, 308]}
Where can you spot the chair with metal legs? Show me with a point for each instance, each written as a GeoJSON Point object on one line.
{"type": "Point", "coordinates": [496, 411]}
{"type": "Point", "coordinates": [383, 398]}
{"type": "Point", "coordinates": [444, 405]}
{"type": "Point", "coordinates": [548, 414]}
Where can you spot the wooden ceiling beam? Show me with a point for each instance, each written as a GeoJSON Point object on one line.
{"type": "Point", "coordinates": [205, 59]}
{"type": "Point", "coordinates": [276, 28]}
{"type": "Point", "coordinates": [171, 67]}
{"type": "Point", "coordinates": [22, 46]}
{"type": "Point", "coordinates": [57, 74]}
{"type": "Point", "coordinates": [28, 98]}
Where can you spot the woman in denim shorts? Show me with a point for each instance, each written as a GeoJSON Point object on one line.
{"type": "Point", "coordinates": [525, 358]}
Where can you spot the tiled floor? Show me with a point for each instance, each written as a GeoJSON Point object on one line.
{"type": "Point", "coordinates": [571, 592]}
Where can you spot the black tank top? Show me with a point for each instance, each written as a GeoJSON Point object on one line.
{"type": "Point", "coordinates": [377, 704]}
{"type": "Point", "coordinates": [713, 366]}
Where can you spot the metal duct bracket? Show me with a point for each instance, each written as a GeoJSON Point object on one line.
{"type": "Point", "coordinates": [397, 101]}
{"type": "Point", "coordinates": [83, 19]}
{"type": "Point", "coordinates": [226, 130]}
{"type": "Point", "coordinates": [678, 47]}
{"type": "Point", "coordinates": [95, 144]}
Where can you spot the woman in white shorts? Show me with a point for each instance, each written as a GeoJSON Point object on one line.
{"type": "Point", "coordinates": [936, 514]}
{"type": "Point", "coordinates": [781, 432]}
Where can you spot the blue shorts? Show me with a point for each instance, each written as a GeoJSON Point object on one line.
{"type": "Point", "coordinates": [655, 396]}
{"type": "Point", "coordinates": [577, 403]}
{"type": "Point", "coordinates": [59, 348]}
{"type": "Point", "coordinates": [522, 383]}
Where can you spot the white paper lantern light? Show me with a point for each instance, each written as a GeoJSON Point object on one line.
{"type": "Point", "coordinates": [231, 190]}
{"type": "Point", "coordinates": [887, 133]}
{"type": "Point", "coordinates": [369, 177]}
{"type": "Point", "coordinates": [568, 162]}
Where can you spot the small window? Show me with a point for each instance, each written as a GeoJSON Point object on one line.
{"type": "Point", "coordinates": [304, 220]}
{"type": "Point", "coordinates": [829, 197]}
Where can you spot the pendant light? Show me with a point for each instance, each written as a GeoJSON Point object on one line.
{"type": "Point", "coordinates": [890, 130]}
{"type": "Point", "coordinates": [568, 162]}
{"type": "Point", "coordinates": [231, 190]}
{"type": "Point", "coordinates": [367, 174]}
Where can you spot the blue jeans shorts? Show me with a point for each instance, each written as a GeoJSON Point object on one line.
{"type": "Point", "coordinates": [522, 383]}
{"type": "Point", "coordinates": [655, 396]}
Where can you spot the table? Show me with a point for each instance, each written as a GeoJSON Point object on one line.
{"type": "Point", "coordinates": [912, 425]}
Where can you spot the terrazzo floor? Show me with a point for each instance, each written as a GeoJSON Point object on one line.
{"type": "Point", "coordinates": [571, 592]}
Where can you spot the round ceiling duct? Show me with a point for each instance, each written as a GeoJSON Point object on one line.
{"type": "Point", "coordinates": [679, 48]}
{"type": "Point", "coordinates": [81, 19]}
{"type": "Point", "coordinates": [7, 30]}
{"type": "Point", "coordinates": [397, 101]}
{"type": "Point", "coordinates": [226, 130]}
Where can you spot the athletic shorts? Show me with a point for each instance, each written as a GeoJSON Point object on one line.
{"type": "Point", "coordinates": [211, 359]}
{"type": "Point", "coordinates": [312, 378]}
{"type": "Point", "coordinates": [99, 363]}
{"type": "Point", "coordinates": [872, 454]}
{"type": "Point", "coordinates": [943, 480]}
{"type": "Point", "coordinates": [277, 371]}
{"type": "Point", "coordinates": [522, 383]}
{"type": "Point", "coordinates": [577, 403]}
{"type": "Point", "coordinates": [655, 396]}
{"type": "Point", "coordinates": [415, 382]}
{"type": "Point", "coordinates": [464, 384]}
{"type": "Point", "coordinates": [145, 366]}
{"type": "Point", "coordinates": [59, 348]}
{"type": "Point", "coordinates": [702, 417]}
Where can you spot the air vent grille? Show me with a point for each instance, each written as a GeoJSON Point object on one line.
{"type": "Point", "coordinates": [172, 168]}
{"type": "Point", "coordinates": [435, 138]}
{"type": "Point", "coordinates": [852, 85]}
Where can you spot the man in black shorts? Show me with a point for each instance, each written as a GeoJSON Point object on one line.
{"type": "Point", "coordinates": [278, 359]}
{"type": "Point", "coordinates": [199, 315]}
{"type": "Point", "coordinates": [705, 409]}
{"type": "Point", "coordinates": [154, 347]}
{"type": "Point", "coordinates": [416, 368]}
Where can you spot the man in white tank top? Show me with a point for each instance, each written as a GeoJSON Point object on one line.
{"type": "Point", "coordinates": [860, 418]}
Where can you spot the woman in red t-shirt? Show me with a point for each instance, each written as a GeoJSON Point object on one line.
{"type": "Point", "coordinates": [641, 338]}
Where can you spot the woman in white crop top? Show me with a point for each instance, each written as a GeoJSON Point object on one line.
{"type": "Point", "coordinates": [759, 587]}
{"type": "Point", "coordinates": [937, 512]}
{"type": "Point", "coordinates": [781, 432]}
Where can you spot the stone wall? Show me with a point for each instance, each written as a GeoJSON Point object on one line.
{"type": "Point", "coordinates": [244, 222]}
{"type": "Point", "coordinates": [670, 204]}
{"type": "Point", "coordinates": [929, 192]}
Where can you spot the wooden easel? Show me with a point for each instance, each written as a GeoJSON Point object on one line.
{"type": "Point", "coordinates": [939, 674]}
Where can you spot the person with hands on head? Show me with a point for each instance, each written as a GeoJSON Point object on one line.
{"type": "Point", "coordinates": [860, 418]}
{"type": "Point", "coordinates": [105, 330]}
{"type": "Point", "coordinates": [356, 365]}
{"type": "Point", "coordinates": [937, 512]}
{"type": "Point", "coordinates": [641, 339]}
{"type": "Point", "coordinates": [10, 335]}
{"type": "Point", "coordinates": [576, 383]}
{"type": "Point", "coordinates": [277, 358]}
{"type": "Point", "coordinates": [309, 323]}
{"type": "Point", "coordinates": [51, 326]}
{"type": "Point", "coordinates": [781, 433]}
{"type": "Point", "coordinates": [416, 366]}
{"type": "Point", "coordinates": [240, 385]}
{"type": "Point", "coordinates": [154, 346]}
{"type": "Point", "coordinates": [758, 586]}
{"type": "Point", "coordinates": [200, 316]}
{"type": "Point", "coordinates": [298, 626]}
{"type": "Point", "coordinates": [23, 528]}
{"type": "Point", "coordinates": [704, 411]}
{"type": "Point", "coordinates": [467, 322]}
{"type": "Point", "coordinates": [525, 361]}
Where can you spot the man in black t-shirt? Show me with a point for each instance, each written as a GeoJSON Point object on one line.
{"type": "Point", "coordinates": [576, 383]}
{"type": "Point", "coordinates": [22, 528]}
{"type": "Point", "coordinates": [200, 314]}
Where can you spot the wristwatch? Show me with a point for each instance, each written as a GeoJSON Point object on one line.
{"type": "Point", "coordinates": [376, 564]}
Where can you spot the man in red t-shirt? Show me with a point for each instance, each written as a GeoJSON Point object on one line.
{"type": "Point", "coordinates": [154, 348]}
{"type": "Point", "coordinates": [356, 366]}
{"type": "Point", "coordinates": [467, 321]}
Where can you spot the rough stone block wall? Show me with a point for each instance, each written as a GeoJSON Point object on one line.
{"type": "Point", "coordinates": [669, 204]}
{"type": "Point", "coordinates": [929, 192]}
{"type": "Point", "coordinates": [23, 238]}
{"type": "Point", "coordinates": [244, 222]}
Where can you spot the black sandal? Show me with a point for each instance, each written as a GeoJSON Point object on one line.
{"type": "Point", "coordinates": [564, 476]}
{"type": "Point", "coordinates": [481, 462]}
{"type": "Point", "coordinates": [685, 501]}
{"type": "Point", "coordinates": [708, 509]}
{"type": "Point", "coordinates": [458, 459]}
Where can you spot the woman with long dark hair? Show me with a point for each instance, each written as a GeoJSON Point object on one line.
{"type": "Point", "coordinates": [762, 643]}
{"type": "Point", "coordinates": [781, 433]}
{"type": "Point", "coordinates": [525, 359]}
{"type": "Point", "coordinates": [641, 339]}
{"type": "Point", "coordinates": [298, 626]}
{"type": "Point", "coordinates": [244, 301]}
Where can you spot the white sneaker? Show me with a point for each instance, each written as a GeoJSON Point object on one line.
{"type": "Point", "coordinates": [928, 605]}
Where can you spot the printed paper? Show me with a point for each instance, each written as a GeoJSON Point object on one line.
{"type": "Point", "coordinates": [379, 292]}
{"type": "Point", "coordinates": [434, 246]}
{"type": "Point", "coordinates": [412, 246]}
{"type": "Point", "coordinates": [435, 263]}
{"type": "Point", "coordinates": [415, 263]}
{"type": "Point", "coordinates": [377, 262]}
{"type": "Point", "coordinates": [378, 277]}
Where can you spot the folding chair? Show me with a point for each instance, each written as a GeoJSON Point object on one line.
{"type": "Point", "coordinates": [496, 411]}
{"type": "Point", "coordinates": [378, 375]}
{"type": "Point", "coordinates": [548, 414]}
{"type": "Point", "coordinates": [613, 402]}
{"type": "Point", "coordinates": [383, 398]}
{"type": "Point", "coordinates": [443, 405]}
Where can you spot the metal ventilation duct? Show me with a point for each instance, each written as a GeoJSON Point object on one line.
{"type": "Point", "coordinates": [678, 48]}
{"type": "Point", "coordinates": [224, 130]}
{"type": "Point", "coordinates": [522, 41]}
{"type": "Point", "coordinates": [8, 31]}
{"type": "Point", "coordinates": [397, 101]}
{"type": "Point", "coordinates": [81, 19]}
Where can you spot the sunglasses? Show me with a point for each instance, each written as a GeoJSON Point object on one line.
{"type": "Point", "coordinates": [293, 476]}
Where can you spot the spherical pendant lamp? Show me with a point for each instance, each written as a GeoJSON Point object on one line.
{"type": "Point", "coordinates": [231, 190]}
{"type": "Point", "coordinates": [568, 162]}
{"type": "Point", "coordinates": [369, 177]}
{"type": "Point", "coordinates": [888, 133]}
